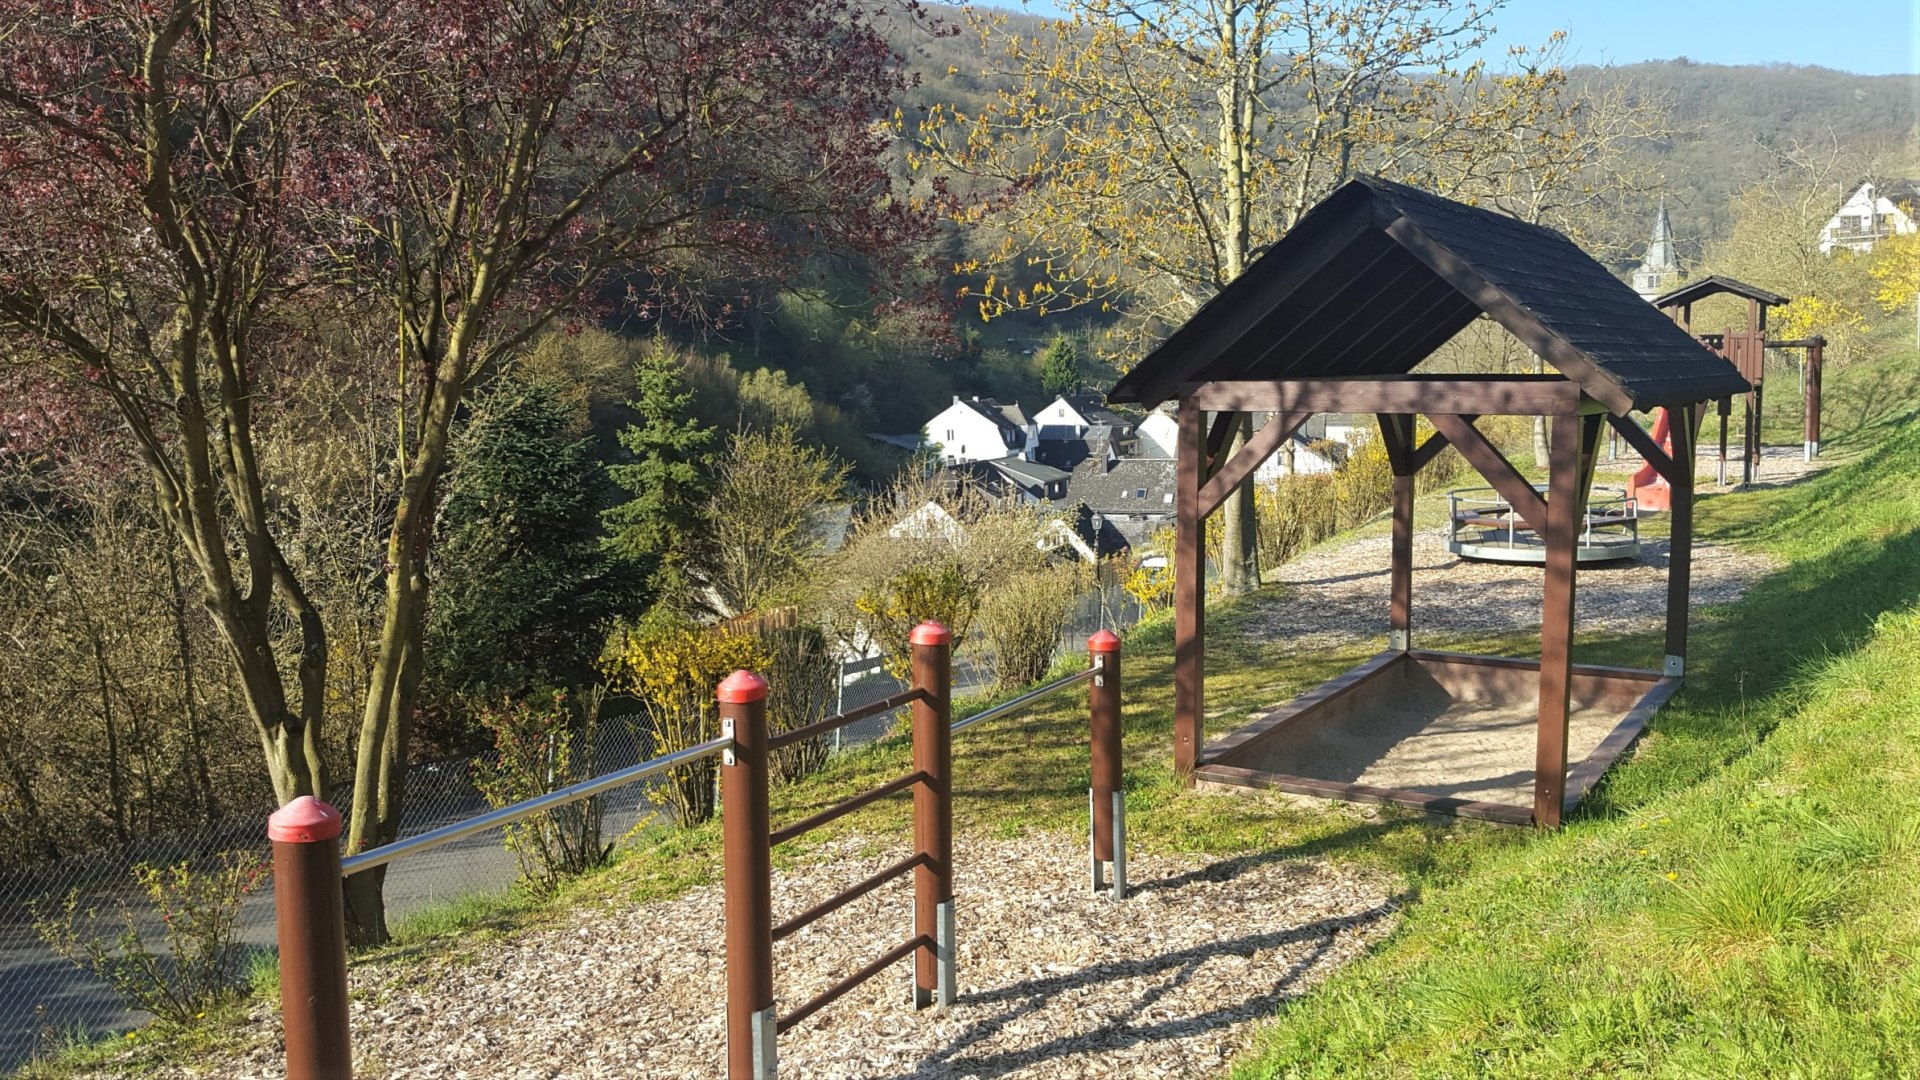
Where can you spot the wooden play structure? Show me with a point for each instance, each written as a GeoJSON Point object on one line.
{"type": "Point", "coordinates": [1746, 350]}
{"type": "Point", "coordinates": [1334, 318]}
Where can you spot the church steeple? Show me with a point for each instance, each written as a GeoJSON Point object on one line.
{"type": "Point", "coordinates": [1660, 268]}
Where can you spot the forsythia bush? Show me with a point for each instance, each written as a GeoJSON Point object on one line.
{"type": "Point", "coordinates": [890, 610]}
{"type": "Point", "coordinates": [672, 669]}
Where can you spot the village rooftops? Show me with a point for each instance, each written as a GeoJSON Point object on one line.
{"type": "Point", "coordinates": [1379, 275]}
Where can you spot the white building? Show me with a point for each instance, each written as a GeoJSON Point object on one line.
{"type": "Point", "coordinates": [977, 429]}
{"type": "Point", "coordinates": [1158, 431]}
{"type": "Point", "coordinates": [1875, 211]}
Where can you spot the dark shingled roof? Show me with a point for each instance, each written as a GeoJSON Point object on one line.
{"type": "Point", "coordinates": [1379, 275]}
{"type": "Point", "coordinates": [1712, 285]}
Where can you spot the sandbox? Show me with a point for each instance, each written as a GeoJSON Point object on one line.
{"type": "Point", "coordinates": [1445, 732]}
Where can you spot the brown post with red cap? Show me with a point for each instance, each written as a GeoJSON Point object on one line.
{"type": "Point", "coordinates": [312, 930]}
{"type": "Point", "coordinates": [748, 899]}
{"type": "Point", "coordinates": [933, 967]}
{"type": "Point", "coordinates": [1107, 810]}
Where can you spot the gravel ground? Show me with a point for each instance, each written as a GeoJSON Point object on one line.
{"type": "Point", "coordinates": [1337, 595]}
{"type": "Point", "coordinates": [1055, 981]}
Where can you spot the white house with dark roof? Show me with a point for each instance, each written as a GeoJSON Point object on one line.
{"type": "Point", "coordinates": [977, 429]}
{"type": "Point", "coordinates": [1876, 210]}
{"type": "Point", "coordinates": [1304, 452]}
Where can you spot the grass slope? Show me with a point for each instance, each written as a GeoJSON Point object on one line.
{"type": "Point", "coordinates": [1741, 899]}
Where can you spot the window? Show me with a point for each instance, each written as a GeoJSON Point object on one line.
{"type": "Point", "coordinates": [1169, 499]}
{"type": "Point", "coordinates": [949, 434]}
{"type": "Point", "coordinates": [1140, 493]}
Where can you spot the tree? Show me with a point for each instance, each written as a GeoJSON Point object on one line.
{"type": "Point", "coordinates": [1141, 153]}
{"type": "Point", "coordinates": [160, 159]}
{"type": "Point", "coordinates": [760, 527]}
{"type": "Point", "coordinates": [1895, 268]}
{"type": "Point", "coordinates": [524, 588]}
{"type": "Point", "coordinates": [668, 476]}
{"type": "Point", "coordinates": [1060, 366]}
{"type": "Point", "coordinates": [190, 180]}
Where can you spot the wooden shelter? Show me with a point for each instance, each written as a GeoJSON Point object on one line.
{"type": "Point", "coordinates": [1746, 350]}
{"type": "Point", "coordinates": [1334, 318]}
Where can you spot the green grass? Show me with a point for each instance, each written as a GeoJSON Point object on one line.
{"type": "Point", "coordinates": [1740, 899]}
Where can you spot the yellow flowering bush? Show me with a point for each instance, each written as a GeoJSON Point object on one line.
{"type": "Point", "coordinates": [890, 610]}
{"type": "Point", "coordinates": [672, 668]}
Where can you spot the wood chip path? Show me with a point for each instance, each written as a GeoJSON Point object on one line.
{"type": "Point", "coordinates": [1055, 981]}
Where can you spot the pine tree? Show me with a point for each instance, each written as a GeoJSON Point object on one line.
{"type": "Point", "coordinates": [523, 587]}
{"type": "Point", "coordinates": [1060, 367]}
{"type": "Point", "coordinates": [668, 477]}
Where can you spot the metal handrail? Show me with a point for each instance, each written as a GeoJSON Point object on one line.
{"type": "Point", "coordinates": [851, 716]}
{"type": "Point", "coordinates": [1027, 698]}
{"type": "Point", "coordinates": [507, 815]}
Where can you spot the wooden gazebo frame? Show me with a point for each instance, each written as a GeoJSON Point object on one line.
{"type": "Point", "coordinates": [1333, 319]}
{"type": "Point", "coordinates": [1746, 351]}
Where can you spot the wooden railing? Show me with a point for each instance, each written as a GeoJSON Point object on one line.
{"type": "Point", "coordinates": [308, 868]}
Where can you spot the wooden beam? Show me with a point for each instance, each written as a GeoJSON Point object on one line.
{"type": "Point", "coordinates": [1520, 322]}
{"type": "Point", "coordinates": [1231, 474]}
{"type": "Point", "coordinates": [1396, 431]}
{"type": "Point", "coordinates": [1680, 549]}
{"type": "Point", "coordinates": [1511, 395]}
{"type": "Point", "coordinates": [1638, 438]}
{"type": "Point", "coordinates": [1218, 436]}
{"type": "Point", "coordinates": [1430, 449]}
{"type": "Point", "coordinates": [1189, 592]}
{"type": "Point", "coordinates": [1556, 622]}
{"type": "Point", "coordinates": [1490, 463]}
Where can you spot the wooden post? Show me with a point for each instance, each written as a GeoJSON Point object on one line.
{"type": "Point", "coordinates": [1107, 814]}
{"type": "Point", "coordinates": [1680, 552]}
{"type": "Point", "coordinates": [1397, 433]}
{"type": "Point", "coordinates": [933, 967]}
{"type": "Point", "coordinates": [1815, 351]}
{"type": "Point", "coordinates": [1726, 410]}
{"type": "Point", "coordinates": [1189, 592]}
{"type": "Point", "coordinates": [747, 867]}
{"type": "Point", "coordinates": [1556, 624]}
{"type": "Point", "coordinates": [310, 924]}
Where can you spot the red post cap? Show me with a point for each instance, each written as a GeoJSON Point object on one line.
{"type": "Point", "coordinates": [930, 633]}
{"type": "Point", "coordinates": [1104, 641]}
{"type": "Point", "coordinates": [741, 687]}
{"type": "Point", "coordinates": [305, 820]}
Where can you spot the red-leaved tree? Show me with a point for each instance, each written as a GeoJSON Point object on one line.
{"type": "Point", "coordinates": [191, 179]}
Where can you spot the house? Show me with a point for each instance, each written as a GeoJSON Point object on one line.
{"type": "Point", "coordinates": [1071, 415]}
{"type": "Point", "coordinates": [1875, 211]}
{"type": "Point", "coordinates": [1133, 496]}
{"type": "Point", "coordinates": [977, 429]}
{"type": "Point", "coordinates": [1014, 477]}
{"type": "Point", "coordinates": [1307, 451]}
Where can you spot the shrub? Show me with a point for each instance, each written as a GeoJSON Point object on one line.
{"type": "Point", "coordinates": [890, 610]}
{"type": "Point", "coordinates": [537, 751]}
{"type": "Point", "coordinates": [200, 967]}
{"type": "Point", "coordinates": [1022, 619]}
{"type": "Point", "coordinates": [801, 674]}
{"type": "Point", "coordinates": [672, 668]}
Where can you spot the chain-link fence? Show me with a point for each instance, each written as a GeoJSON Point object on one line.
{"type": "Point", "coordinates": [46, 1002]}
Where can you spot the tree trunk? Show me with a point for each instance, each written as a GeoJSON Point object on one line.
{"type": "Point", "coordinates": [1239, 540]}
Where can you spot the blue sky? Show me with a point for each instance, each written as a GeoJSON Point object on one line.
{"type": "Point", "coordinates": [1870, 37]}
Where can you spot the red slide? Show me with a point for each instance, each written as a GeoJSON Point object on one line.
{"type": "Point", "coordinates": [1647, 488]}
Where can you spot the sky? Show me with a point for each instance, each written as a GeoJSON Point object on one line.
{"type": "Point", "coordinates": [1868, 37]}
